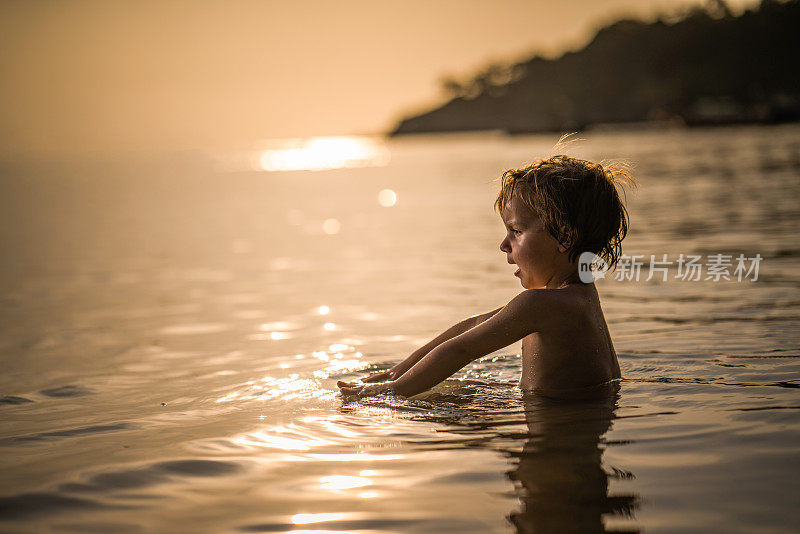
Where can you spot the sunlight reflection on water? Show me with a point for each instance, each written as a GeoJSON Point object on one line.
{"type": "Point", "coordinates": [341, 482]}
{"type": "Point", "coordinates": [321, 153]}
{"type": "Point", "coordinates": [303, 519]}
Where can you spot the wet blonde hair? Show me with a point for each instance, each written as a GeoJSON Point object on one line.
{"type": "Point", "coordinates": [578, 202]}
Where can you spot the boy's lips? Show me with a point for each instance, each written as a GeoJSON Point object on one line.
{"type": "Point", "coordinates": [512, 262]}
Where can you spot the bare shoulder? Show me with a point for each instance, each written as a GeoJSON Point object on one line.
{"type": "Point", "coordinates": [544, 307]}
{"type": "Point", "coordinates": [534, 310]}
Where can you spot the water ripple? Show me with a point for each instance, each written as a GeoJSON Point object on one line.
{"type": "Point", "coordinates": [66, 433]}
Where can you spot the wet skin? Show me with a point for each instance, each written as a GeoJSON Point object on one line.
{"type": "Point", "coordinates": [566, 347]}
{"type": "Point", "coordinates": [571, 347]}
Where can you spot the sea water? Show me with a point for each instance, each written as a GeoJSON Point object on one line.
{"type": "Point", "coordinates": [172, 329]}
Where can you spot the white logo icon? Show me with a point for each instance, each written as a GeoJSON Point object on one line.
{"type": "Point", "coordinates": [591, 267]}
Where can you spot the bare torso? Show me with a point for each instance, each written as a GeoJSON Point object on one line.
{"type": "Point", "coordinates": [575, 351]}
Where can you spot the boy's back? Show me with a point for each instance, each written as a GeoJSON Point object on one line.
{"type": "Point", "coordinates": [572, 349]}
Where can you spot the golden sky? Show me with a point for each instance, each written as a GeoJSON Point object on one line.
{"type": "Point", "coordinates": [107, 75]}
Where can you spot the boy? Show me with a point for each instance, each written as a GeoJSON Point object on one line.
{"type": "Point", "coordinates": [553, 210]}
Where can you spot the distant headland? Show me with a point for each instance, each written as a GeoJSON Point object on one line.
{"type": "Point", "coordinates": [704, 67]}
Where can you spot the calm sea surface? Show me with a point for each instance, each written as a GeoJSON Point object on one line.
{"type": "Point", "coordinates": [172, 330]}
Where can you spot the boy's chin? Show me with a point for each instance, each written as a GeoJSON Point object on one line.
{"type": "Point", "coordinates": [528, 284]}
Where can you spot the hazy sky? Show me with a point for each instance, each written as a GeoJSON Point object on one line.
{"type": "Point", "coordinates": [162, 75]}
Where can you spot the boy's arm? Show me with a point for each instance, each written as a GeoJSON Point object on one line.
{"type": "Point", "coordinates": [397, 371]}
{"type": "Point", "coordinates": [520, 317]}
{"type": "Point", "coordinates": [457, 329]}
{"type": "Point", "coordinates": [526, 313]}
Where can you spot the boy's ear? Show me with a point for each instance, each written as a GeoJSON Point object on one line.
{"type": "Point", "coordinates": [565, 242]}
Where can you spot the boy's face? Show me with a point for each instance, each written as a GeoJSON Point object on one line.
{"type": "Point", "coordinates": [530, 246]}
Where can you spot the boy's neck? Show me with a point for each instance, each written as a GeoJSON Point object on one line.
{"type": "Point", "coordinates": [564, 278]}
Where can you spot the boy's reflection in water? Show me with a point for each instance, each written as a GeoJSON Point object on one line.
{"type": "Point", "coordinates": [559, 474]}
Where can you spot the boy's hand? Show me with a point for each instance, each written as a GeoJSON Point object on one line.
{"type": "Point", "coordinates": [363, 391]}
{"type": "Point", "coordinates": [381, 376]}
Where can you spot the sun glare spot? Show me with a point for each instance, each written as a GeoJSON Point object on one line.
{"type": "Point", "coordinates": [283, 443]}
{"type": "Point", "coordinates": [279, 335]}
{"type": "Point", "coordinates": [340, 430]}
{"type": "Point", "coordinates": [321, 355]}
{"type": "Point", "coordinates": [265, 440]}
{"type": "Point", "coordinates": [321, 153]}
{"type": "Point", "coordinates": [387, 198]}
{"type": "Point", "coordinates": [323, 310]}
{"type": "Point", "coordinates": [286, 388]}
{"type": "Point", "coordinates": [330, 327]}
{"type": "Point", "coordinates": [339, 482]}
{"type": "Point", "coordinates": [305, 519]}
{"type": "Point", "coordinates": [342, 366]}
{"type": "Point", "coordinates": [331, 226]}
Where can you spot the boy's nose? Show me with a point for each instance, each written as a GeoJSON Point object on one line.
{"type": "Point", "coordinates": [504, 246]}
